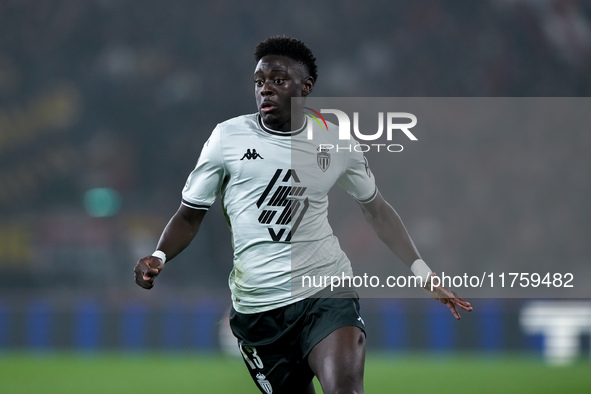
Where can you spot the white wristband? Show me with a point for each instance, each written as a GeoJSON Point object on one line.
{"type": "Point", "coordinates": [421, 269]}
{"type": "Point", "coordinates": [161, 255]}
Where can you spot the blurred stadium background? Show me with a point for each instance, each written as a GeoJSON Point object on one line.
{"type": "Point", "coordinates": [104, 106]}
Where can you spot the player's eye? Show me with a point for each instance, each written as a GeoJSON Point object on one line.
{"type": "Point", "coordinates": [258, 82]}
{"type": "Point", "coordinates": [279, 81]}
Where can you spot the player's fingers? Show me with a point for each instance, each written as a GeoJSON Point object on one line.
{"type": "Point", "coordinates": [453, 310]}
{"type": "Point", "coordinates": [150, 273]}
{"type": "Point", "coordinates": [149, 276]}
{"type": "Point", "coordinates": [465, 305]}
{"type": "Point", "coordinates": [459, 301]}
{"type": "Point", "coordinates": [144, 284]}
{"type": "Point", "coordinates": [148, 267]}
{"type": "Point", "coordinates": [144, 276]}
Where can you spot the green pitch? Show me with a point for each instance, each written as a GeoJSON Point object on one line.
{"type": "Point", "coordinates": [157, 373]}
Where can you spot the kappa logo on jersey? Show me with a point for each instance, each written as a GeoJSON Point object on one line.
{"type": "Point", "coordinates": [283, 205]}
{"type": "Point", "coordinates": [251, 155]}
{"type": "Point", "coordinates": [323, 158]}
{"type": "Point", "coordinates": [264, 383]}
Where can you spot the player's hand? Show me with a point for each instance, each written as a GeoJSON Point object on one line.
{"type": "Point", "coordinates": [146, 270]}
{"type": "Point", "coordinates": [448, 297]}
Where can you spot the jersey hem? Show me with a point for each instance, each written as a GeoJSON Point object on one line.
{"type": "Point", "coordinates": [370, 199]}
{"type": "Point", "coordinates": [248, 310]}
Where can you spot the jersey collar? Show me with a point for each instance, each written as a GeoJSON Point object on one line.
{"type": "Point", "coordinates": [282, 133]}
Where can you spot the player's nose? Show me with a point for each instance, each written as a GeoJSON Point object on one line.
{"type": "Point", "coordinates": [266, 89]}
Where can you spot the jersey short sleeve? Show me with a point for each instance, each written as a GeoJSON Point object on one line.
{"type": "Point", "coordinates": [206, 180]}
{"type": "Point", "coordinates": [357, 179]}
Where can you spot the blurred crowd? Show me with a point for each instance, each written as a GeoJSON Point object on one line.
{"type": "Point", "coordinates": [121, 94]}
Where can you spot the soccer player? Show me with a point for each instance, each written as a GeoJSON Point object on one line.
{"type": "Point", "coordinates": [273, 184]}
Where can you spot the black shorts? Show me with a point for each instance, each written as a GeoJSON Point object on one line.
{"type": "Point", "coordinates": [275, 344]}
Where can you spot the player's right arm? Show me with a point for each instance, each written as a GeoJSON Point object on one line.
{"type": "Point", "coordinates": [177, 235]}
{"type": "Point", "coordinates": [198, 195]}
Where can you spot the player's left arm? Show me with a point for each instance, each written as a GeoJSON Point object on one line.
{"type": "Point", "coordinates": [391, 230]}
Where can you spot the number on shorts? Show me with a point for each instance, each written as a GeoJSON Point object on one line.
{"type": "Point", "coordinates": [249, 352]}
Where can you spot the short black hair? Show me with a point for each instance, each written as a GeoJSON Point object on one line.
{"type": "Point", "coordinates": [289, 47]}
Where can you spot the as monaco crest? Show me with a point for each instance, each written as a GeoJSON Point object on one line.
{"type": "Point", "coordinates": [323, 158]}
{"type": "Point", "coordinates": [264, 383]}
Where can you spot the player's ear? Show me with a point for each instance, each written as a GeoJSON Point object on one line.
{"type": "Point", "coordinates": [307, 86]}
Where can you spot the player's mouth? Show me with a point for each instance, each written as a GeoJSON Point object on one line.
{"type": "Point", "coordinates": [268, 106]}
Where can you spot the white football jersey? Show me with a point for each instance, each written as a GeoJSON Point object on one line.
{"type": "Point", "coordinates": [273, 188]}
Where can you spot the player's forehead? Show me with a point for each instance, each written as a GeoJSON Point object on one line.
{"type": "Point", "coordinates": [277, 63]}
